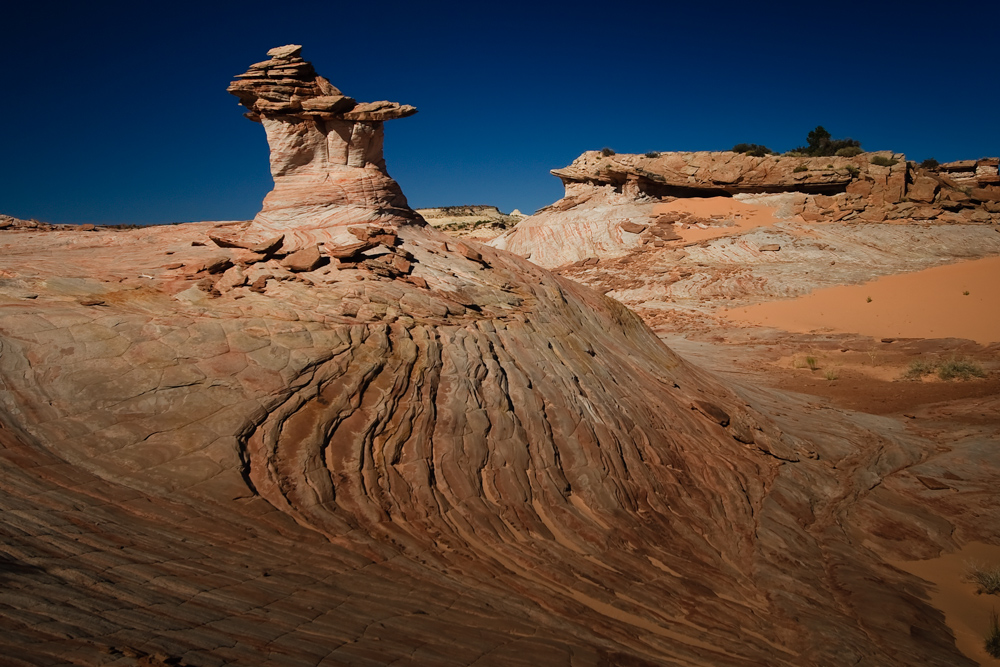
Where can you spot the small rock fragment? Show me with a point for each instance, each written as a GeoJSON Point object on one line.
{"type": "Point", "coordinates": [260, 284]}
{"type": "Point", "coordinates": [713, 412]}
{"type": "Point", "coordinates": [632, 227]}
{"type": "Point", "coordinates": [932, 484]}
{"type": "Point", "coordinates": [227, 242]}
{"type": "Point", "coordinates": [217, 265]}
{"type": "Point", "coordinates": [285, 52]}
{"type": "Point", "coordinates": [348, 250]}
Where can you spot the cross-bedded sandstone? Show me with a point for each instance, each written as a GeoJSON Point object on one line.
{"type": "Point", "coordinates": [410, 450]}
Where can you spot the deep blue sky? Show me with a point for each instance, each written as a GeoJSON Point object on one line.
{"type": "Point", "coordinates": [117, 112]}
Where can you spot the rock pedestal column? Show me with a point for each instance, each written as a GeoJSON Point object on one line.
{"type": "Point", "coordinates": [326, 153]}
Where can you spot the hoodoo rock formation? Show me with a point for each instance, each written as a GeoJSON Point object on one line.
{"type": "Point", "coordinates": [326, 153]}
{"type": "Point", "coordinates": [337, 436]}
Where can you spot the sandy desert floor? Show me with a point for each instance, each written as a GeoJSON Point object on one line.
{"type": "Point", "coordinates": [953, 301]}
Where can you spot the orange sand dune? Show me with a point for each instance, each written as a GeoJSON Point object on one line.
{"type": "Point", "coordinates": [746, 216]}
{"type": "Point", "coordinates": [926, 304]}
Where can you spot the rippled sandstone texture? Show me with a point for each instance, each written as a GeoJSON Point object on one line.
{"type": "Point", "coordinates": [419, 451]}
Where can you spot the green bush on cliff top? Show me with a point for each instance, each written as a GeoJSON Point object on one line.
{"type": "Point", "coordinates": [822, 144]}
{"type": "Point", "coordinates": [755, 150]}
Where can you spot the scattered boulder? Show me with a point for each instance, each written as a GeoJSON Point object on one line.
{"type": "Point", "coordinates": [307, 259]}
{"type": "Point", "coordinates": [923, 189]}
{"type": "Point", "coordinates": [232, 278]}
{"type": "Point", "coordinates": [349, 250]}
{"type": "Point", "coordinates": [270, 246]}
{"type": "Point", "coordinates": [985, 194]}
{"type": "Point", "coordinates": [217, 264]}
{"type": "Point", "coordinates": [224, 241]}
{"type": "Point", "coordinates": [468, 252]}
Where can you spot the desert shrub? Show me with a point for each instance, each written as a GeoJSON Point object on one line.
{"type": "Point", "coordinates": [959, 368]}
{"type": "Point", "coordinates": [652, 154]}
{"type": "Point", "coordinates": [985, 577]}
{"type": "Point", "coordinates": [799, 169]}
{"type": "Point", "coordinates": [607, 152]}
{"type": "Point", "coordinates": [811, 363]}
{"type": "Point", "coordinates": [822, 144]}
{"type": "Point", "coordinates": [831, 375]}
{"type": "Point", "coordinates": [849, 151]}
{"type": "Point", "coordinates": [993, 636]}
{"type": "Point", "coordinates": [884, 161]}
{"type": "Point", "coordinates": [930, 163]}
{"type": "Point", "coordinates": [754, 150]}
{"type": "Point", "coordinates": [852, 170]}
{"type": "Point", "coordinates": [946, 370]}
{"type": "Point", "coordinates": [918, 368]}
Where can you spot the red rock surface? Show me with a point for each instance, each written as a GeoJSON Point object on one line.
{"type": "Point", "coordinates": [424, 451]}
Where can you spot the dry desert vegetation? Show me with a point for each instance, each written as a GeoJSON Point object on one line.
{"type": "Point", "coordinates": [707, 409]}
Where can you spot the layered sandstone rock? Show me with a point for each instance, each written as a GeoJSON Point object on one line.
{"type": "Point", "coordinates": [326, 153]}
{"type": "Point", "coordinates": [406, 448]}
{"type": "Point", "coordinates": [972, 173]}
{"type": "Point", "coordinates": [609, 198]}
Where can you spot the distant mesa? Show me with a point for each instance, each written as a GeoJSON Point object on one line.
{"type": "Point", "coordinates": [479, 222]}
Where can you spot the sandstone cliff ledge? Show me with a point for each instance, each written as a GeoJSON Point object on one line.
{"type": "Point", "coordinates": [603, 192]}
